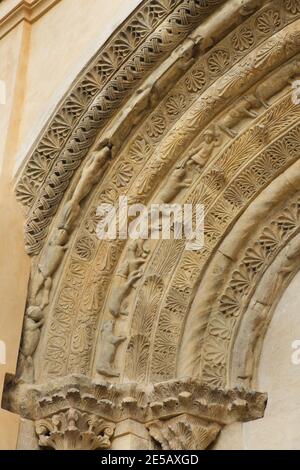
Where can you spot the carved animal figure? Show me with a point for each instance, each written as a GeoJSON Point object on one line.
{"type": "Point", "coordinates": [48, 265]}
{"type": "Point", "coordinates": [248, 7]}
{"type": "Point", "coordinates": [126, 277]}
{"type": "Point", "coordinates": [34, 319]}
{"type": "Point", "coordinates": [242, 110]}
{"type": "Point", "coordinates": [187, 52]}
{"type": "Point", "coordinates": [275, 50]}
{"type": "Point", "coordinates": [277, 82]}
{"type": "Point", "coordinates": [201, 154]}
{"type": "Point", "coordinates": [143, 99]}
{"type": "Point", "coordinates": [108, 349]}
{"type": "Point", "coordinates": [91, 174]}
{"type": "Point", "coordinates": [57, 246]}
{"type": "Point", "coordinates": [175, 182]}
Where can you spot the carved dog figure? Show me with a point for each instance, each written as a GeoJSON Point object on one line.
{"type": "Point", "coordinates": [176, 181]}
{"type": "Point", "coordinates": [108, 349]}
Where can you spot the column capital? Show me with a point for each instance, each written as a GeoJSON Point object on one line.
{"type": "Point", "coordinates": [74, 430]}
{"type": "Point", "coordinates": [75, 412]}
{"type": "Point", "coordinates": [184, 432]}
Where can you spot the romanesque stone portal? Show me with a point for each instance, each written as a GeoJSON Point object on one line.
{"type": "Point", "coordinates": [145, 344]}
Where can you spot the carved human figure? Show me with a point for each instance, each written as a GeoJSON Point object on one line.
{"type": "Point", "coordinates": [242, 109]}
{"type": "Point", "coordinates": [276, 50]}
{"type": "Point", "coordinates": [288, 267]}
{"type": "Point", "coordinates": [175, 183]}
{"type": "Point", "coordinates": [201, 154]}
{"type": "Point", "coordinates": [259, 314]}
{"type": "Point", "coordinates": [92, 172]}
{"type": "Point", "coordinates": [109, 343]}
{"type": "Point", "coordinates": [277, 81]}
{"type": "Point", "coordinates": [57, 246]}
{"type": "Point", "coordinates": [143, 99]}
{"type": "Point", "coordinates": [127, 275]}
{"type": "Point", "coordinates": [49, 263]}
{"type": "Point", "coordinates": [34, 319]}
{"type": "Point", "coordinates": [178, 62]}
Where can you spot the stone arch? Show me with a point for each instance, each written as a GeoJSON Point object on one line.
{"type": "Point", "coordinates": [189, 101]}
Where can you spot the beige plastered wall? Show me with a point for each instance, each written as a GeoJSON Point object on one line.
{"type": "Point", "coordinates": [44, 44]}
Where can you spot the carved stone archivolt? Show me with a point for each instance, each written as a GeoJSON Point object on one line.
{"type": "Point", "coordinates": [172, 109]}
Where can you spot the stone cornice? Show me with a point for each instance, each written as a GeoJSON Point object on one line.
{"type": "Point", "coordinates": [142, 402]}
{"type": "Point", "coordinates": [13, 12]}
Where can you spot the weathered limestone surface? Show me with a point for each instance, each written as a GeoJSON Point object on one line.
{"type": "Point", "coordinates": [144, 343]}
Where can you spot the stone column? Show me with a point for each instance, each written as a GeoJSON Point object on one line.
{"type": "Point", "coordinates": [130, 434]}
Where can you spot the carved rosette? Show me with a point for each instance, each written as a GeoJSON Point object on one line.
{"type": "Point", "coordinates": [184, 432]}
{"type": "Point", "coordinates": [235, 132]}
{"type": "Point", "coordinates": [73, 430]}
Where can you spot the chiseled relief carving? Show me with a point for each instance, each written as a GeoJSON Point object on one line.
{"type": "Point", "coordinates": [241, 189]}
{"type": "Point", "coordinates": [34, 320]}
{"type": "Point", "coordinates": [184, 432]}
{"type": "Point", "coordinates": [176, 181]}
{"type": "Point", "coordinates": [52, 257]}
{"type": "Point", "coordinates": [74, 430]}
{"type": "Point", "coordinates": [201, 154]}
{"type": "Point", "coordinates": [108, 348]}
{"type": "Point", "coordinates": [233, 301]}
{"type": "Point", "coordinates": [277, 81]}
{"type": "Point", "coordinates": [129, 272]}
{"type": "Point", "coordinates": [91, 174]}
{"type": "Point", "coordinates": [241, 110]}
{"type": "Point", "coordinates": [210, 120]}
{"type": "Point", "coordinates": [76, 412]}
{"type": "Point", "coordinates": [147, 37]}
{"type": "Point", "coordinates": [258, 314]}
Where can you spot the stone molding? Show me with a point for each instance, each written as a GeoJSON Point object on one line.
{"type": "Point", "coordinates": [16, 11]}
{"type": "Point", "coordinates": [223, 131]}
{"type": "Point", "coordinates": [222, 186]}
{"type": "Point", "coordinates": [94, 100]}
{"type": "Point", "coordinates": [75, 412]}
